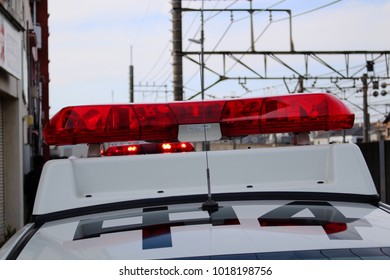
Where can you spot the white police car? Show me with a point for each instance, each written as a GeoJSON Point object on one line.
{"type": "Point", "coordinates": [296, 202]}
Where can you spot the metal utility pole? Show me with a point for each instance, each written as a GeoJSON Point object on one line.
{"type": "Point", "coordinates": [366, 117]}
{"type": "Point", "coordinates": [252, 29]}
{"type": "Point", "coordinates": [300, 85]}
{"type": "Point", "coordinates": [131, 70]}
{"type": "Point", "coordinates": [177, 55]}
{"type": "Point", "coordinates": [131, 77]}
{"type": "Point", "coordinates": [202, 51]}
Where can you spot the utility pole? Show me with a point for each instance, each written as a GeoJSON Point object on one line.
{"type": "Point", "coordinates": [300, 85]}
{"type": "Point", "coordinates": [131, 77]}
{"type": "Point", "coordinates": [366, 117]}
{"type": "Point", "coordinates": [177, 55]}
{"type": "Point", "coordinates": [252, 29]}
{"type": "Point", "coordinates": [202, 50]}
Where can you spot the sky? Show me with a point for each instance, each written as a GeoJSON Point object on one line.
{"type": "Point", "coordinates": [93, 42]}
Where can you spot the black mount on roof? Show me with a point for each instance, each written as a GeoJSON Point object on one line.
{"type": "Point", "coordinates": [210, 205]}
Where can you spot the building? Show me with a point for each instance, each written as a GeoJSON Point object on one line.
{"type": "Point", "coordinates": [383, 129]}
{"type": "Point", "coordinates": [353, 135]}
{"type": "Point", "coordinates": [20, 107]}
{"type": "Point", "coordinates": [40, 19]}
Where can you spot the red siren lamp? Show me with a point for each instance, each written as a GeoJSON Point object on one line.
{"type": "Point", "coordinates": [149, 148]}
{"type": "Point", "coordinates": [294, 113]}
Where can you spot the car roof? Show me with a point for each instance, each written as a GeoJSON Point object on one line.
{"type": "Point", "coordinates": [327, 170]}
{"type": "Point", "coordinates": [253, 229]}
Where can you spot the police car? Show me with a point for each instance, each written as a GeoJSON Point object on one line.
{"type": "Point", "coordinates": [296, 202]}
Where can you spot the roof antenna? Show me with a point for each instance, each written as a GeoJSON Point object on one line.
{"type": "Point", "coordinates": [209, 205]}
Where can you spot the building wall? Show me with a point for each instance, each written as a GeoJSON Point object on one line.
{"type": "Point", "coordinates": [2, 187]}
{"type": "Point", "coordinates": [14, 89]}
{"type": "Point", "coordinates": [13, 158]}
{"type": "Point", "coordinates": [43, 57]}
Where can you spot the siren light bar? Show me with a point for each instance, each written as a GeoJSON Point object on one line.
{"type": "Point", "coordinates": [149, 148]}
{"type": "Point", "coordinates": [163, 121]}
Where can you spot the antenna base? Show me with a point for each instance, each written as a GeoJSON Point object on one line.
{"type": "Point", "coordinates": [210, 205]}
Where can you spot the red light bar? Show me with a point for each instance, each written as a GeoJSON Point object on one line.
{"type": "Point", "coordinates": [125, 150]}
{"type": "Point", "coordinates": [160, 122]}
{"type": "Point", "coordinates": [178, 147]}
{"type": "Point", "coordinates": [149, 148]}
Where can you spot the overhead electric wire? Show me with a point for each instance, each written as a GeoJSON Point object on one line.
{"type": "Point", "coordinates": [257, 12]}
{"type": "Point", "coordinates": [273, 21]}
{"type": "Point", "coordinates": [163, 52]}
{"type": "Point", "coordinates": [262, 33]}
{"type": "Point", "coordinates": [219, 41]}
{"type": "Point", "coordinates": [207, 58]}
{"type": "Point", "coordinates": [223, 35]}
{"type": "Point", "coordinates": [316, 9]}
{"type": "Point", "coordinates": [329, 85]}
{"type": "Point", "coordinates": [142, 22]}
{"type": "Point", "coordinates": [166, 64]}
{"type": "Point", "coordinates": [351, 93]}
{"type": "Point", "coordinates": [258, 37]}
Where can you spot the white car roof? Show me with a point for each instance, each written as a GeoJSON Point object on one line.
{"type": "Point", "coordinates": [79, 183]}
{"type": "Point", "coordinates": [238, 229]}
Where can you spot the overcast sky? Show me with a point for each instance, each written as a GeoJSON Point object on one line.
{"type": "Point", "coordinates": [90, 43]}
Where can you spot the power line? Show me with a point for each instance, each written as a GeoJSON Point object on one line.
{"type": "Point", "coordinates": [142, 22]}
{"type": "Point", "coordinates": [225, 33]}
{"type": "Point", "coordinates": [165, 64]}
{"type": "Point", "coordinates": [263, 32]}
{"type": "Point", "coordinates": [163, 52]}
{"type": "Point", "coordinates": [219, 41]}
{"type": "Point", "coordinates": [318, 8]}
{"type": "Point", "coordinates": [157, 61]}
{"type": "Point", "coordinates": [221, 38]}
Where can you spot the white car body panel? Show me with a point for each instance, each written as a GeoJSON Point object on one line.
{"type": "Point", "coordinates": [271, 200]}
{"type": "Point", "coordinates": [368, 227]}
{"type": "Point", "coordinates": [74, 183]}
